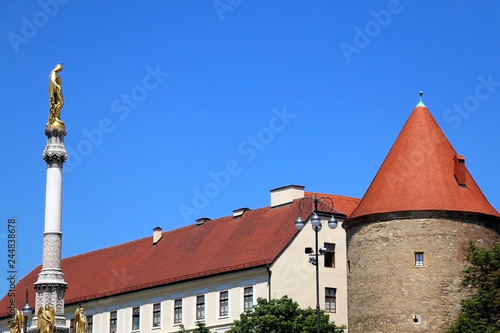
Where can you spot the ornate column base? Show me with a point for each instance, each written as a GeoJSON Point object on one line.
{"type": "Point", "coordinates": [51, 294]}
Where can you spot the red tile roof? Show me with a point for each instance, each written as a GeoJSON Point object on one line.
{"type": "Point", "coordinates": [218, 246]}
{"type": "Point", "coordinates": [343, 204]}
{"type": "Point", "coordinates": [418, 174]}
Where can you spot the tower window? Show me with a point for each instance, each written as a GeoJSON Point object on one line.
{"type": "Point", "coordinates": [419, 259]}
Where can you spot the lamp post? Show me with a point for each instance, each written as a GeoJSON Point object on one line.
{"type": "Point", "coordinates": [305, 206]}
{"type": "Point", "coordinates": [27, 310]}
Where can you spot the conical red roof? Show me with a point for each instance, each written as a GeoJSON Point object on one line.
{"type": "Point", "coordinates": [420, 174]}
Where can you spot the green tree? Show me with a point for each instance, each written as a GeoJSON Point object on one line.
{"type": "Point", "coordinates": [282, 316]}
{"type": "Point", "coordinates": [200, 328]}
{"type": "Point", "coordinates": [481, 311]}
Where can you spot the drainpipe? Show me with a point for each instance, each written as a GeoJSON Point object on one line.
{"type": "Point", "coordinates": [269, 283]}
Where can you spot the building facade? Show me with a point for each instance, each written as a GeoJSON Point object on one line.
{"type": "Point", "coordinates": [207, 272]}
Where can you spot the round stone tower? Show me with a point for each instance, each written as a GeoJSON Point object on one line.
{"type": "Point", "coordinates": [405, 238]}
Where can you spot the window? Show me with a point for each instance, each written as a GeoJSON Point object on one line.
{"type": "Point", "coordinates": [248, 299]}
{"type": "Point", "coordinates": [200, 307]}
{"type": "Point", "coordinates": [156, 314]}
{"type": "Point", "coordinates": [89, 324]}
{"type": "Point", "coordinates": [72, 326]}
{"type": "Point", "coordinates": [330, 255]}
{"type": "Point", "coordinates": [419, 259]}
{"type": "Point", "coordinates": [112, 322]}
{"type": "Point", "coordinates": [178, 311]}
{"type": "Point", "coordinates": [330, 300]}
{"type": "Point", "coordinates": [136, 313]}
{"type": "Point", "coordinates": [223, 303]}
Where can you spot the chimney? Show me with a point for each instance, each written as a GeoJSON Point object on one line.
{"type": "Point", "coordinates": [459, 168]}
{"type": "Point", "coordinates": [157, 234]}
{"type": "Point", "coordinates": [286, 194]}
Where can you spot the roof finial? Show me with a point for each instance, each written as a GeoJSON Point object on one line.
{"type": "Point", "coordinates": [421, 103]}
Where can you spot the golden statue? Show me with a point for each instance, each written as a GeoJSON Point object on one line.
{"type": "Point", "coordinates": [56, 98]}
{"type": "Point", "coordinates": [80, 321]}
{"type": "Point", "coordinates": [17, 324]}
{"type": "Point", "coordinates": [46, 319]}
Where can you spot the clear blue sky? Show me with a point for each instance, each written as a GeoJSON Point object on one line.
{"type": "Point", "coordinates": [163, 96]}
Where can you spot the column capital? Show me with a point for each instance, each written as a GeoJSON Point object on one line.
{"type": "Point", "coordinates": [52, 131]}
{"type": "Point", "coordinates": [55, 153]}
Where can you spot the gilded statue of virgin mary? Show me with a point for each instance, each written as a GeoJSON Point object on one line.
{"type": "Point", "coordinates": [56, 98]}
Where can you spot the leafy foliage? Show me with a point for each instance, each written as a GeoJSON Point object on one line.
{"type": "Point", "coordinates": [481, 312]}
{"type": "Point", "coordinates": [282, 316]}
{"type": "Point", "coordinates": [200, 328]}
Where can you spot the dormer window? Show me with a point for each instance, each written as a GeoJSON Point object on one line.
{"type": "Point", "coordinates": [459, 168]}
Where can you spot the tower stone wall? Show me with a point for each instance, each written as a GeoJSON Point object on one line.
{"type": "Point", "coordinates": [387, 292]}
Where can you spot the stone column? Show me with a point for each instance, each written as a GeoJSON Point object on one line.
{"type": "Point", "coordinates": [50, 286]}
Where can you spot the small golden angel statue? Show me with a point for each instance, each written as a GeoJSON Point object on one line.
{"type": "Point", "coordinates": [46, 319]}
{"type": "Point", "coordinates": [80, 321]}
{"type": "Point", "coordinates": [17, 323]}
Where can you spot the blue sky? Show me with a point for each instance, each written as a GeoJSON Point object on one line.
{"type": "Point", "coordinates": [168, 99]}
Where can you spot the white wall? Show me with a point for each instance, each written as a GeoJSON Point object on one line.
{"type": "Point", "coordinates": [187, 291]}
{"type": "Point", "coordinates": [294, 276]}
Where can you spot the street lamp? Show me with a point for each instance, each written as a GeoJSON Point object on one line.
{"type": "Point", "coordinates": [305, 206]}
{"type": "Point", "coordinates": [27, 310]}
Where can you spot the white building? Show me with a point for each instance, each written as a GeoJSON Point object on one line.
{"type": "Point", "coordinates": [210, 271]}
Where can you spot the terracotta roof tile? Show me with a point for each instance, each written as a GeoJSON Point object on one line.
{"type": "Point", "coordinates": [342, 204]}
{"type": "Point", "coordinates": [418, 174]}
